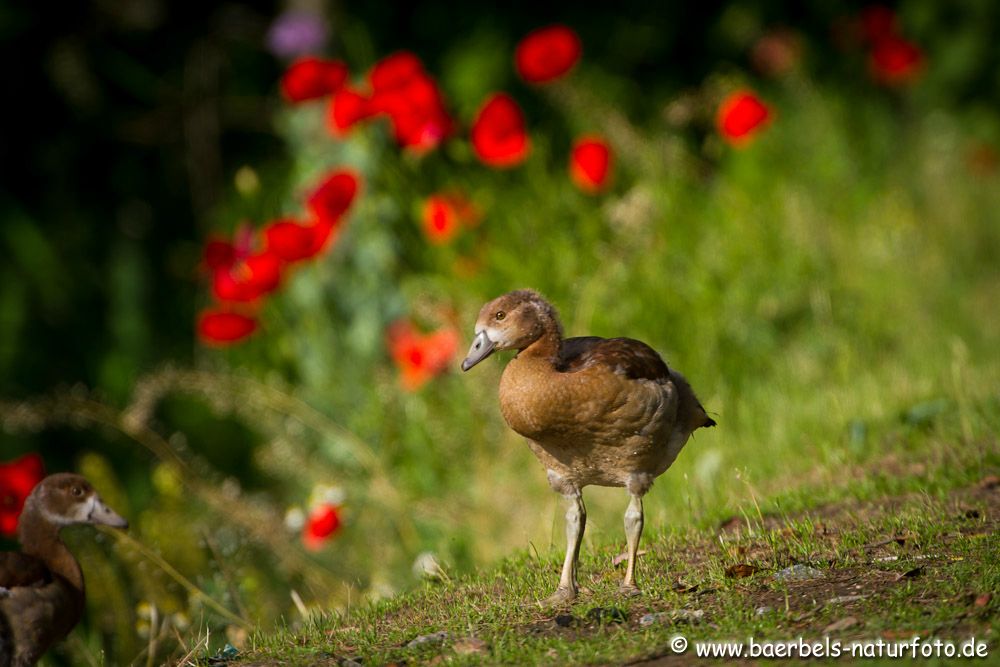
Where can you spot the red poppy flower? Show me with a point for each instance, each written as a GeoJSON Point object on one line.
{"type": "Point", "coordinates": [406, 94]}
{"type": "Point", "coordinates": [249, 278]}
{"type": "Point", "coordinates": [402, 90]}
{"type": "Point", "coordinates": [290, 241]}
{"type": "Point", "coordinates": [590, 164]}
{"type": "Point", "coordinates": [17, 479]}
{"type": "Point", "coordinates": [323, 233]}
{"type": "Point", "coordinates": [220, 328]}
{"type": "Point", "coordinates": [416, 111]}
{"type": "Point", "coordinates": [439, 220]}
{"type": "Point", "coordinates": [238, 272]}
{"type": "Point", "coordinates": [895, 60]}
{"type": "Point", "coordinates": [219, 253]}
{"type": "Point", "coordinates": [420, 357]}
{"type": "Point", "coordinates": [395, 71]}
{"type": "Point", "coordinates": [498, 135]}
{"type": "Point", "coordinates": [323, 522]}
{"type": "Point", "coordinates": [311, 78]}
{"type": "Point", "coordinates": [347, 108]}
{"type": "Point", "coordinates": [331, 199]}
{"type": "Point", "coordinates": [878, 22]}
{"type": "Point", "coordinates": [547, 53]}
{"type": "Point", "coordinates": [741, 116]}
{"type": "Point", "coordinates": [444, 214]}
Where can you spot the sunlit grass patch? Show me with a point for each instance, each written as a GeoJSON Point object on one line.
{"type": "Point", "coordinates": [884, 566]}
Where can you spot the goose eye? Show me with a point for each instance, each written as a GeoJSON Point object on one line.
{"type": "Point", "coordinates": [500, 315]}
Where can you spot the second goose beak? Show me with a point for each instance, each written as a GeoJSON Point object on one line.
{"type": "Point", "coordinates": [101, 514]}
{"type": "Point", "coordinates": [481, 348]}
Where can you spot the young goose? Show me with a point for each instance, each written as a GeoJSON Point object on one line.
{"type": "Point", "coordinates": [41, 588]}
{"type": "Point", "coordinates": [605, 411]}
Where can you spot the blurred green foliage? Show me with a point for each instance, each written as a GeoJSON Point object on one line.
{"type": "Point", "coordinates": [837, 276]}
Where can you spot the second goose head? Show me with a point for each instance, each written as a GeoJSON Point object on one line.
{"type": "Point", "coordinates": [64, 499]}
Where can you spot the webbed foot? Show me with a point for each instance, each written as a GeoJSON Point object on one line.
{"type": "Point", "coordinates": [629, 590]}
{"type": "Point", "coordinates": [563, 596]}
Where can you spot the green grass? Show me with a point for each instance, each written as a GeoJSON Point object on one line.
{"type": "Point", "coordinates": [862, 535]}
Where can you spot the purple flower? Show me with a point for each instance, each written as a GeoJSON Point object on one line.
{"type": "Point", "coordinates": [297, 33]}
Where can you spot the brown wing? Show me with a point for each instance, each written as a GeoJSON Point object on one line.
{"type": "Point", "coordinates": [17, 569]}
{"type": "Point", "coordinates": [626, 356]}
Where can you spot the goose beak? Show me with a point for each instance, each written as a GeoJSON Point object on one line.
{"type": "Point", "coordinates": [103, 515]}
{"type": "Point", "coordinates": [482, 347]}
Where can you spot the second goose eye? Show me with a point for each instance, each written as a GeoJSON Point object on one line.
{"type": "Point", "coordinates": [501, 315]}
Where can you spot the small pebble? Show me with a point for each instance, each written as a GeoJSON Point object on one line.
{"type": "Point", "coordinates": [424, 640]}
{"type": "Point", "coordinates": [652, 619]}
{"type": "Point", "coordinates": [688, 615]}
{"type": "Point", "coordinates": [691, 616]}
{"type": "Point", "coordinates": [470, 646]}
{"type": "Point", "coordinates": [841, 625]}
{"type": "Point", "coordinates": [798, 572]}
{"type": "Point", "coordinates": [761, 611]}
{"type": "Point", "coordinates": [844, 599]}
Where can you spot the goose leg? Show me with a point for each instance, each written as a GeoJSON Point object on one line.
{"type": "Point", "coordinates": [576, 521]}
{"type": "Point", "coordinates": [633, 531]}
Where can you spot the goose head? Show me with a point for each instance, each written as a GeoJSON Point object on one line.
{"type": "Point", "coordinates": [512, 321]}
{"type": "Point", "coordinates": [66, 499]}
